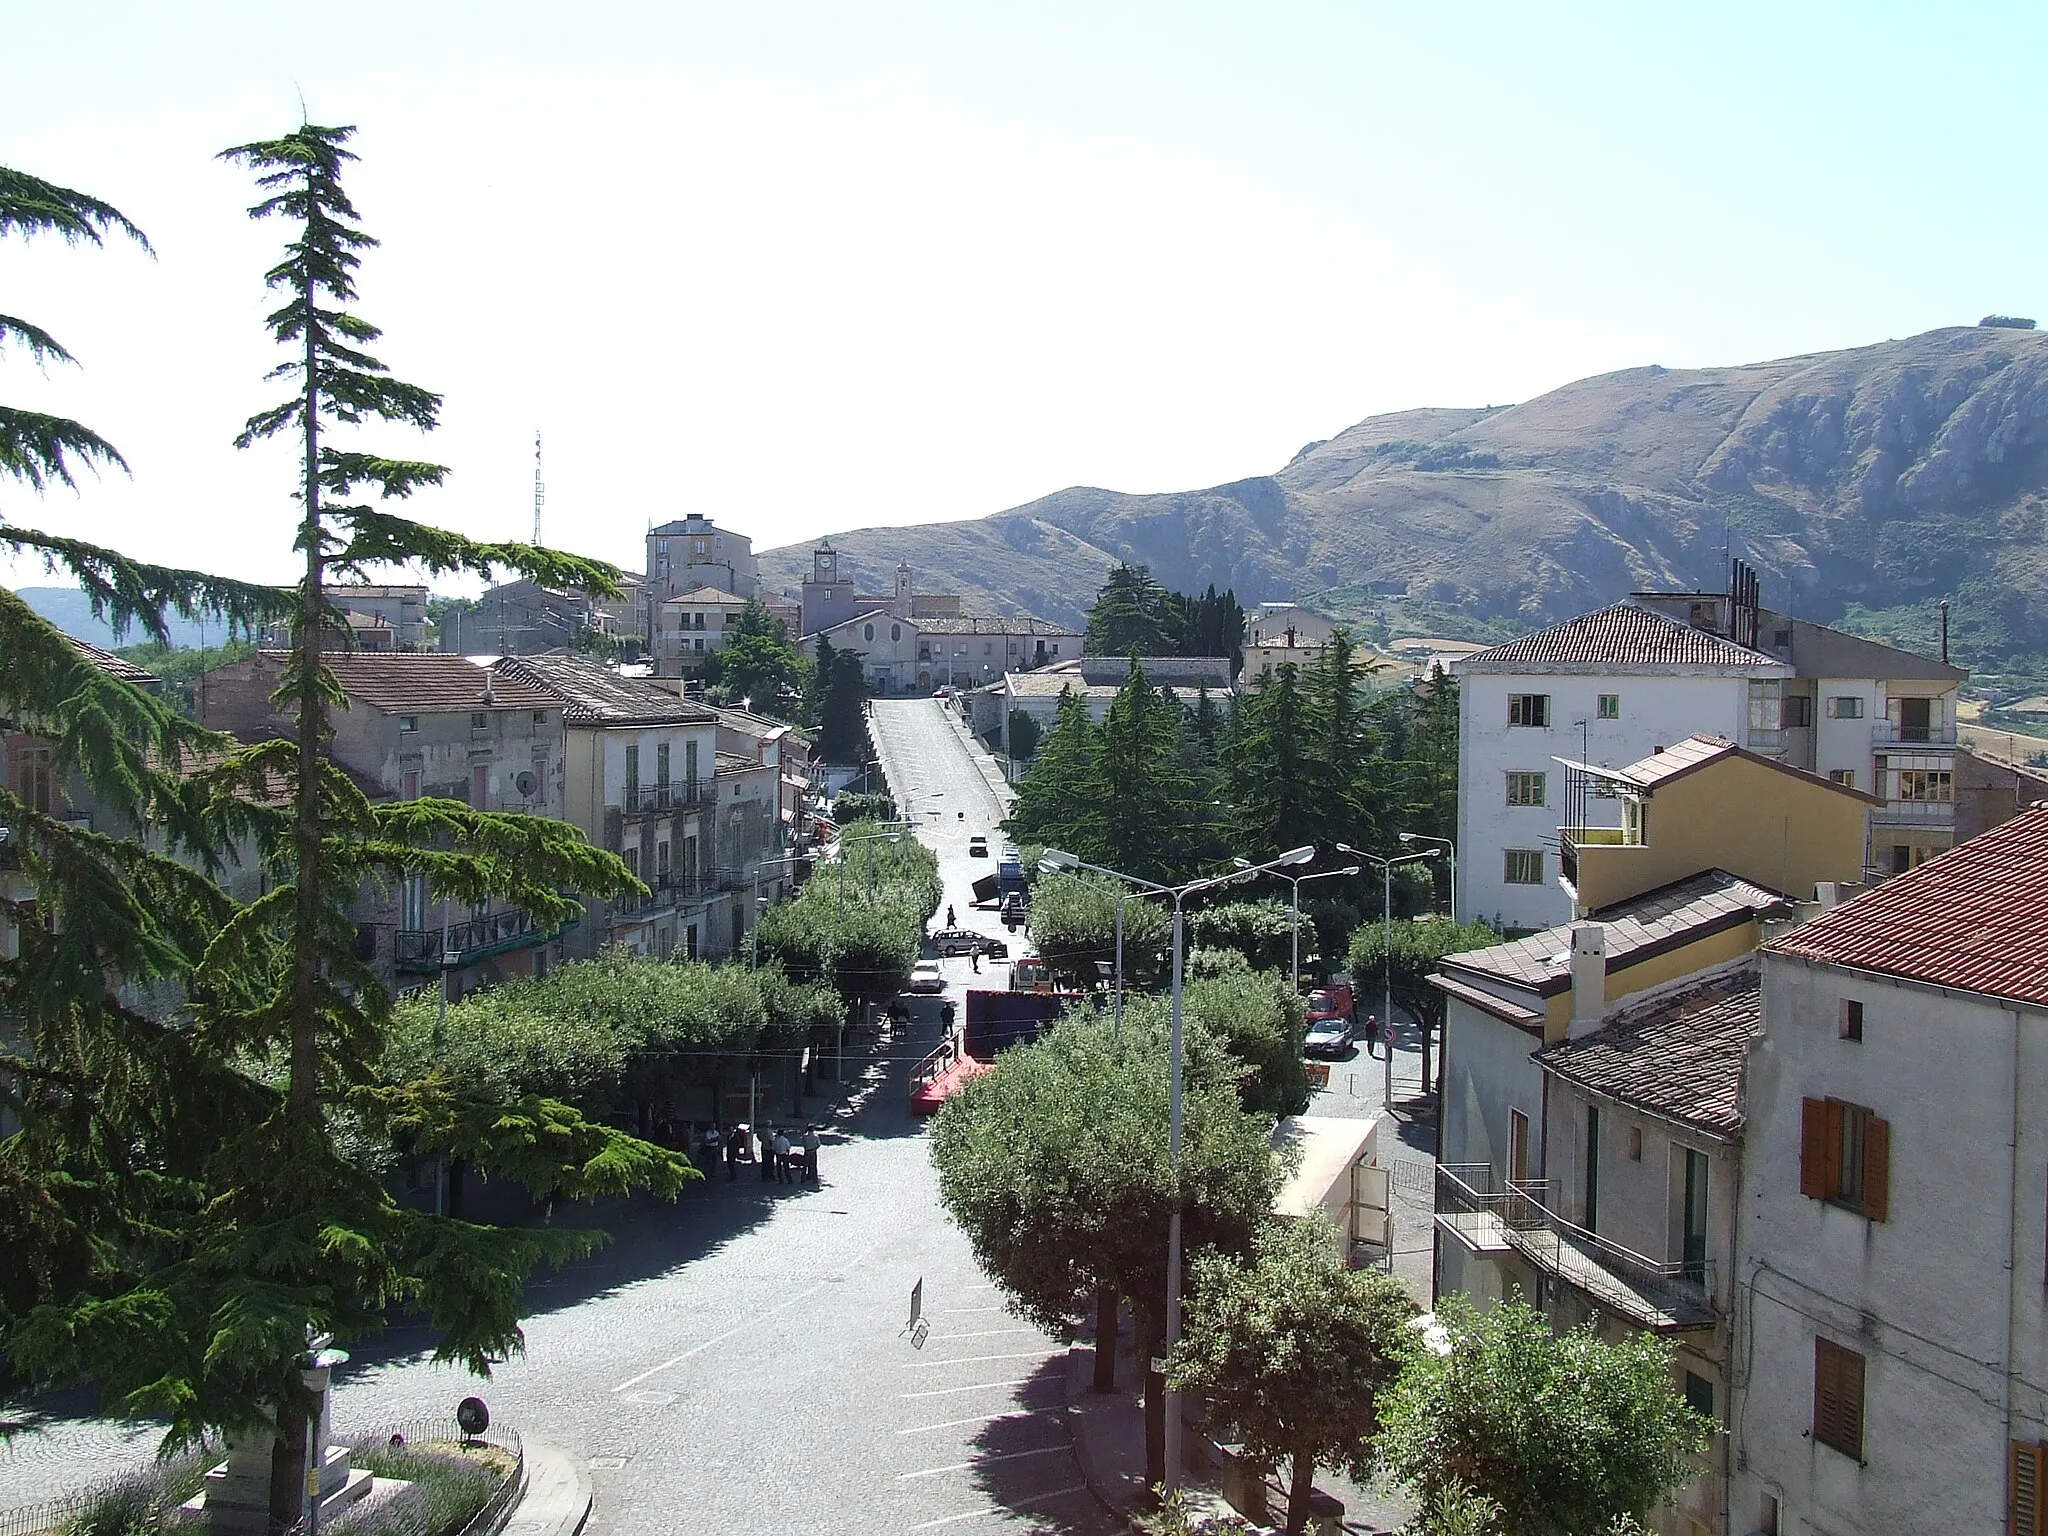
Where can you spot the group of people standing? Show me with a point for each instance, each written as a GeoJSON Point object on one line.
{"type": "Point", "coordinates": [783, 1158]}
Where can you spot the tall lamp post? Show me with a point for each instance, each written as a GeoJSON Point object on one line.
{"type": "Point", "coordinates": [1055, 862]}
{"type": "Point", "coordinates": [1296, 882]}
{"type": "Point", "coordinates": [1451, 850]}
{"type": "Point", "coordinates": [1180, 893]}
{"type": "Point", "coordinates": [760, 901]}
{"type": "Point", "coordinates": [887, 832]}
{"type": "Point", "coordinates": [1387, 867]}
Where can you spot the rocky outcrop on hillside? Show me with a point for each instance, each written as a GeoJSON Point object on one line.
{"type": "Point", "coordinates": [1886, 476]}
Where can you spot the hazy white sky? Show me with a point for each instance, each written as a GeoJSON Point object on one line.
{"type": "Point", "coordinates": [803, 267]}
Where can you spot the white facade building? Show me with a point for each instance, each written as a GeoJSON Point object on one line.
{"type": "Point", "coordinates": [1892, 1327]}
{"type": "Point", "coordinates": [1607, 688]}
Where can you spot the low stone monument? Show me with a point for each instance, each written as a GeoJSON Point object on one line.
{"type": "Point", "coordinates": [237, 1494]}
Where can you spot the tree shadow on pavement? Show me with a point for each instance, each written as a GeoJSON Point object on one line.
{"type": "Point", "coordinates": [1025, 1462]}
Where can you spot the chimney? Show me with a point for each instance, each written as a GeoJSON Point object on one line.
{"type": "Point", "coordinates": [1944, 630]}
{"type": "Point", "coordinates": [1589, 976]}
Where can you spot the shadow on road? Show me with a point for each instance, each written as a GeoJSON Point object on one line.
{"type": "Point", "coordinates": [1026, 1463]}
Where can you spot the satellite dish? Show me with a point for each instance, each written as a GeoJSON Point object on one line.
{"type": "Point", "coordinates": [472, 1416]}
{"type": "Point", "coordinates": [525, 782]}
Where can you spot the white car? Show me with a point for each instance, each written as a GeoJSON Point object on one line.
{"type": "Point", "coordinates": [927, 976]}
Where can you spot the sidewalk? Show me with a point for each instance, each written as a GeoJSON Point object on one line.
{"type": "Point", "coordinates": [557, 1498]}
{"type": "Point", "coordinates": [984, 762]}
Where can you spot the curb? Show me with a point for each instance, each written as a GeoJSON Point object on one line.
{"type": "Point", "coordinates": [1122, 1502]}
{"type": "Point", "coordinates": [558, 1495]}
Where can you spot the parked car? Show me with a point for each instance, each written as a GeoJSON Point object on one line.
{"type": "Point", "coordinates": [1332, 1002]}
{"type": "Point", "coordinates": [1014, 910]}
{"type": "Point", "coordinates": [965, 941]}
{"type": "Point", "coordinates": [977, 847]}
{"type": "Point", "coordinates": [927, 976]}
{"type": "Point", "coordinates": [1327, 1037]}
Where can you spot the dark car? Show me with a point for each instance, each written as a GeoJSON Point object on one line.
{"type": "Point", "coordinates": [965, 941]}
{"type": "Point", "coordinates": [1327, 1037]}
{"type": "Point", "coordinates": [977, 847]}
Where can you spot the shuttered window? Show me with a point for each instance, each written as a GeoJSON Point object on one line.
{"type": "Point", "coordinates": [1845, 1156]}
{"type": "Point", "coordinates": [1838, 1398]}
{"type": "Point", "coordinates": [2023, 1490]}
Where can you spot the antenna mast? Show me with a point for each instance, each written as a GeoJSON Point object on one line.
{"type": "Point", "coordinates": [540, 491]}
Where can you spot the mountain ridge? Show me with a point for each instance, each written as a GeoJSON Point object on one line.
{"type": "Point", "coordinates": [1865, 482]}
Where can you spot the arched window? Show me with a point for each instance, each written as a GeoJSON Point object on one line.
{"type": "Point", "coordinates": [868, 632]}
{"type": "Point", "coordinates": [895, 631]}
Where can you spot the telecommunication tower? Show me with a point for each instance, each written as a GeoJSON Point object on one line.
{"type": "Point", "coordinates": [540, 491]}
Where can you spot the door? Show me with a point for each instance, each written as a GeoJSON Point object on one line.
{"type": "Point", "coordinates": [1372, 1208]}
{"type": "Point", "coordinates": [1693, 1241]}
{"type": "Point", "coordinates": [1916, 719]}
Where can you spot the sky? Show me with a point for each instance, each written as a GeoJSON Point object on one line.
{"type": "Point", "coordinates": [803, 267]}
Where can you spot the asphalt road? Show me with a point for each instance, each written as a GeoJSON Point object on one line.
{"type": "Point", "coordinates": [740, 1360]}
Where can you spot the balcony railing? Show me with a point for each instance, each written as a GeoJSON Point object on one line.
{"type": "Point", "coordinates": [419, 950]}
{"type": "Point", "coordinates": [675, 795]}
{"type": "Point", "coordinates": [1571, 839]}
{"type": "Point", "coordinates": [1887, 733]}
{"type": "Point", "coordinates": [1916, 812]}
{"type": "Point", "coordinates": [1490, 1215]}
{"type": "Point", "coordinates": [664, 892]}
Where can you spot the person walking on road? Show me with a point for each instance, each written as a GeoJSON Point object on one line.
{"type": "Point", "coordinates": [766, 1137]}
{"type": "Point", "coordinates": [735, 1143]}
{"type": "Point", "coordinates": [781, 1158]}
{"type": "Point", "coordinates": [811, 1153]}
{"type": "Point", "coordinates": [949, 914]}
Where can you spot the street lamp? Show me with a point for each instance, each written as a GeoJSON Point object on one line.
{"type": "Point", "coordinates": [1451, 849]}
{"type": "Point", "coordinates": [760, 901]}
{"type": "Point", "coordinates": [887, 832]}
{"type": "Point", "coordinates": [1296, 882]}
{"type": "Point", "coordinates": [1053, 862]}
{"type": "Point", "coordinates": [1387, 867]}
{"type": "Point", "coordinates": [1180, 893]}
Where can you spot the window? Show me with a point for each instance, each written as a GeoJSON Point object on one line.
{"type": "Point", "coordinates": [2024, 1474]}
{"type": "Point", "coordinates": [1781, 638]}
{"type": "Point", "coordinates": [661, 860]}
{"type": "Point", "coordinates": [1798, 711]}
{"type": "Point", "coordinates": [1845, 706]}
{"type": "Point", "coordinates": [479, 720]}
{"type": "Point", "coordinates": [408, 723]}
{"type": "Point", "coordinates": [1526, 789]}
{"type": "Point", "coordinates": [1850, 1025]}
{"type": "Point", "coordinates": [1522, 866]}
{"type": "Point", "coordinates": [1529, 709]}
{"type": "Point", "coordinates": [1699, 1394]}
{"type": "Point", "coordinates": [661, 765]}
{"type": "Point", "coordinates": [690, 766]}
{"type": "Point", "coordinates": [1838, 1398]}
{"type": "Point", "coordinates": [895, 631]}
{"type": "Point", "coordinates": [1922, 786]}
{"type": "Point", "coordinates": [1592, 1168]}
{"type": "Point", "coordinates": [34, 781]}
{"type": "Point", "coordinates": [1845, 1157]}
{"type": "Point", "coordinates": [1846, 777]}
{"type": "Point", "coordinates": [1518, 1146]}
{"type": "Point", "coordinates": [1635, 1143]}
{"type": "Point", "coordinates": [412, 903]}
{"type": "Point", "coordinates": [632, 774]}
{"type": "Point", "coordinates": [479, 786]}
{"type": "Point", "coordinates": [1766, 704]}
{"type": "Point", "coordinates": [540, 717]}
{"type": "Point", "coordinates": [867, 632]}
{"type": "Point", "coordinates": [1693, 1217]}
{"type": "Point", "coordinates": [1610, 706]}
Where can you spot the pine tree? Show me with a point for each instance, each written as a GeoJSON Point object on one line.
{"type": "Point", "coordinates": [1275, 781]}
{"type": "Point", "coordinates": [818, 682]}
{"type": "Point", "coordinates": [1346, 749]}
{"type": "Point", "coordinates": [1145, 814]}
{"type": "Point", "coordinates": [193, 1213]}
{"type": "Point", "coordinates": [1051, 804]}
{"type": "Point", "coordinates": [1131, 614]}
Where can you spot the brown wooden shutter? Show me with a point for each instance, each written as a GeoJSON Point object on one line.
{"type": "Point", "coordinates": [1813, 1145]}
{"type": "Point", "coordinates": [1851, 1374]}
{"type": "Point", "coordinates": [1838, 1397]}
{"type": "Point", "coordinates": [2023, 1491]}
{"type": "Point", "coordinates": [1877, 1168]}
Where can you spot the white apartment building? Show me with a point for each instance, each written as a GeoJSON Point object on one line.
{"type": "Point", "coordinates": [691, 627]}
{"type": "Point", "coordinates": [907, 655]}
{"type": "Point", "coordinates": [1624, 682]}
{"type": "Point", "coordinates": [1892, 1311]}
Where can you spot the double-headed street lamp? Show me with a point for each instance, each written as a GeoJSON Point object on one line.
{"type": "Point", "coordinates": [1180, 893]}
{"type": "Point", "coordinates": [1387, 867]}
{"type": "Point", "coordinates": [1055, 862]}
{"type": "Point", "coordinates": [1294, 906]}
{"type": "Point", "coordinates": [886, 832]}
{"type": "Point", "coordinates": [1451, 849]}
{"type": "Point", "coordinates": [760, 901]}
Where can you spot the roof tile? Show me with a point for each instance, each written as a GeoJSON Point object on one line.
{"type": "Point", "coordinates": [1621, 635]}
{"type": "Point", "coordinates": [591, 693]}
{"type": "Point", "coordinates": [1680, 1055]}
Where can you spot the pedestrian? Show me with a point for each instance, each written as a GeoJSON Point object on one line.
{"type": "Point", "coordinates": [811, 1153]}
{"type": "Point", "coordinates": [766, 1136]}
{"type": "Point", "coordinates": [949, 914]}
{"type": "Point", "coordinates": [735, 1143]}
{"type": "Point", "coordinates": [1372, 1034]}
{"type": "Point", "coordinates": [781, 1158]}
{"type": "Point", "coordinates": [976, 954]}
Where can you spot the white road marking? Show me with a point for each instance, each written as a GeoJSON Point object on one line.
{"type": "Point", "coordinates": [996, 1509]}
{"type": "Point", "coordinates": [739, 1328]}
{"type": "Point", "coordinates": [985, 1418]}
{"type": "Point", "coordinates": [980, 1461]}
{"type": "Point", "coordinates": [963, 1311]}
{"type": "Point", "coordinates": [980, 1386]}
{"type": "Point", "coordinates": [926, 1365]}
{"type": "Point", "coordinates": [992, 1333]}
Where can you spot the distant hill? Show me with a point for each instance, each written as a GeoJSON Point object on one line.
{"type": "Point", "coordinates": [1863, 485]}
{"type": "Point", "coordinates": [71, 611]}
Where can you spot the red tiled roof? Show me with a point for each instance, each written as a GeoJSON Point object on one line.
{"type": "Point", "coordinates": [112, 665]}
{"type": "Point", "coordinates": [404, 682]}
{"type": "Point", "coordinates": [1975, 919]}
{"type": "Point", "coordinates": [1622, 635]}
{"type": "Point", "coordinates": [1680, 1055]}
{"type": "Point", "coordinates": [592, 693]}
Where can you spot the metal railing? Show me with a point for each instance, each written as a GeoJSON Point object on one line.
{"type": "Point", "coordinates": [1888, 733]}
{"type": "Point", "coordinates": [471, 940]}
{"type": "Point", "coordinates": [1915, 811]}
{"type": "Point", "coordinates": [675, 795]}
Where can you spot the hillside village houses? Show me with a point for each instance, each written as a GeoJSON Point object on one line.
{"type": "Point", "coordinates": [1590, 1131]}
{"type": "Point", "coordinates": [1630, 679]}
